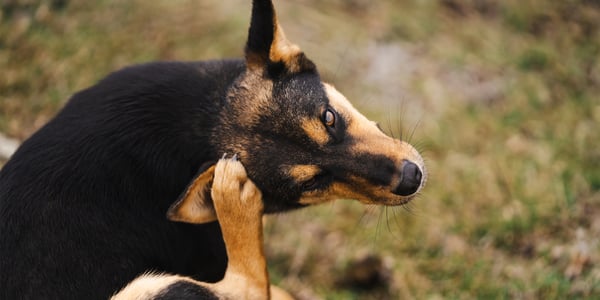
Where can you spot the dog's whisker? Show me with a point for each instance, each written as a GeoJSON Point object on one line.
{"type": "Point", "coordinates": [368, 210]}
{"type": "Point", "coordinates": [408, 208]}
{"type": "Point", "coordinates": [378, 223]}
{"type": "Point", "coordinates": [387, 221]}
{"type": "Point", "coordinates": [340, 63]}
{"type": "Point", "coordinates": [362, 217]}
{"type": "Point", "coordinates": [400, 118]}
{"type": "Point", "coordinates": [396, 219]}
{"type": "Point", "coordinates": [412, 207]}
{"type": "Point", "coordinates": [414, 129]}
{"type": "Point", "coordinates": [421, 146]}
{"type": "Point", "coordinates": [389, 125]}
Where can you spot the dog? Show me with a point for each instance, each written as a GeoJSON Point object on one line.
{"type": "Point", "coordinates": [237, 204]}
{"type": "Point", "coordinates": [83, 200]}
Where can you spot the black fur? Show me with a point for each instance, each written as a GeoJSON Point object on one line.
{"type": "Point", "coordinates": [83, 200]}
{"type": "Point", "coordinates": [183, 290]}
{"type": "Point", "coordinates": [262, 29]}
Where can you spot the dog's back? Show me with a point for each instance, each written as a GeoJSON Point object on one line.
{"type": "Point", "coordinates": [90, 172]}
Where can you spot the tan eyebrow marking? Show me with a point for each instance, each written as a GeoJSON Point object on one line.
{"type": "Point", "coordinates": [315, 130]}
{"type": "Point", "coordinates": [302, 173]}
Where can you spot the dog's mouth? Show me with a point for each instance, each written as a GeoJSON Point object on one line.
{"type": "Point", "coordinates": [408, 188]}
{"type": "Point", "coordinates": [402, 189]}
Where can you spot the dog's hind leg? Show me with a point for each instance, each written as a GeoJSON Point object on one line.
{"type": "Point", "coordinates": [242, 227]}
{"type": "Point", "coordinates": [238, 205]}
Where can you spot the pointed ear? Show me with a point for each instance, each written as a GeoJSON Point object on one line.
{"type": "Point", "coordinates": [195, 204]}
{"type": "Point", "coordinates": [267, 45]}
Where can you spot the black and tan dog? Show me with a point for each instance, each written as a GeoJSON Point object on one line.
{"type": "Point", "coordinates": [82, 201]}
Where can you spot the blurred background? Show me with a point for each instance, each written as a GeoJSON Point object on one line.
{"type": "Point", "coordinates": [501, 97]}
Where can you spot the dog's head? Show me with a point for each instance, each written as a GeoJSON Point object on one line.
{"type": "Point", "coordinates": [300, 140]}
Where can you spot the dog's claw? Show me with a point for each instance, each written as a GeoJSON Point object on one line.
{"type": "Point", "coordinates": [235, 157]}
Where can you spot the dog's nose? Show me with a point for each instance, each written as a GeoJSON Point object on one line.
{"type": "Point", "coordinates": [410, 180]}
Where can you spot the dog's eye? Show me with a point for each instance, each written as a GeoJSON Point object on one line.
{"type": "Point", "coordinates": [310, 184]}
{"type": "Point", "coordinates": [319, 181]}
{"type": "Point", "coordinates": [329, 118]}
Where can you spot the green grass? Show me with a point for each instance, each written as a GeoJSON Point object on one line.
{"type": "Point", "coordinates": [502, 97]}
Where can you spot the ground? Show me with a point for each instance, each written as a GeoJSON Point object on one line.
{"type": "Point", "coordinates": [500, 96]}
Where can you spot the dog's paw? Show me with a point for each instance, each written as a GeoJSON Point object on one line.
{"type": "Point", "coordinates": [233, 193]}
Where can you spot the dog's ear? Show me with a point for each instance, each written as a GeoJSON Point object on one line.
{"type": "Point", "coordinates": [267, 46]}
{"type": "Point", "coordinates": [195, 204]}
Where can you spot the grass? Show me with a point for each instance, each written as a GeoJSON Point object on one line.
{"type": "Point", "coordinates": [502, 97]}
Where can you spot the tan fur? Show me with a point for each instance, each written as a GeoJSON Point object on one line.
{"type": "Point", "coordinates": [358, 189]}
{"type": "Point", "coordinates": [148, 285]}
{"type": "Point", "coordinates": [239, 220]}
{"type": "Point", "coordinates": [284, 51]}
{"type": "Point", "coordinates": [302, 173]}
{"type": "Point", "coordinates": [256, 94]}
{"type": "Point", "coordinates": [239, 209]}
{"type": "Point", "coordinates": [315, 130]}
{"type": "Point", "coordinates": [195, 207]}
